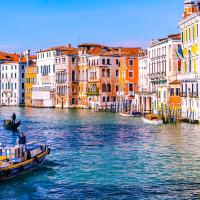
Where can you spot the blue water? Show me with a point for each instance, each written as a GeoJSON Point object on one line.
{"type": "Point", "coordinates": [105, 156]}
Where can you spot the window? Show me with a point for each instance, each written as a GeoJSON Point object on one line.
{"type": "Point", "coordinates": [108, 73]}
{"type": "Point", "coordinates": [108, 87]}
{"type": "Point", "coordinates": [22, 75]}
{"type": "Point", "coordinates": [130, 74]}
{"type": "Point", "coordinates": [22, 66]}
{"type": "Point", "coordinates": [103, 61]}
{"type": "Point", "coordinates": [131, 62]}
{"type": "Point", "coordinates": [117, 73]}
{"type": "Point", "coordinates": [130, 87]}
{"type": "Point", "coordinates": [108, 99]}
{"type": "Point", "coordinates": [104, 99]}
{"type": "Point", "coordinates": [108, 61]}
{"type": "Point", "coordinates": [117, 62]}
{"type": "Point", "coordinates": [117, 88]}
{"type": "Point", "coordinates": [177, 91]}
{"type": "Point", "coordinates": [171, 91]}
{"type": "Point", "coordinates": [22, 86]}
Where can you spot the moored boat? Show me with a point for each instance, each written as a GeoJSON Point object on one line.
{"type": "Point", "coordinates": [125, 114]}
{"type": "Point", "coordinates": [152, 119]}
{"type": "Point", "coordinates": [9, 124]}
{"type": "Point", "coordinates": [21, 159]}
{"type": "Point", "coordinates": [131, 114]}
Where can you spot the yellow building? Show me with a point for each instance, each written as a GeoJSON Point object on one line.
{"type": "Point", "coordinates": [189, 53]}
{"type": "Point", "coordinates": [30, 80]}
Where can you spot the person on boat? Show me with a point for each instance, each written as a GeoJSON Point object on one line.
{"type": "Point", "coordinates": [22, 139]}
{"type": "Point", "coordinates": [14, 117]}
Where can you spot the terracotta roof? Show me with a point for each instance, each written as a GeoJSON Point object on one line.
{"type": "Point", "coordinates": [57, 48]}
{"type": "Point", "coordinates": [90, 45]}
{"type": "Point", "coordinates": [172, 36]}
{"type": "Point", "coordinates": [8, 58]}
{"type": "Point", "coordinates": [72, 51]}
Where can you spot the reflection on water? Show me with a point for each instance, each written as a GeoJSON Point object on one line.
{"type": "Point", "coordinates": [105, 156]}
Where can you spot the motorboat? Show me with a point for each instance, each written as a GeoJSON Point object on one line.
{"type": "Point", "coordinates": [152, 119]}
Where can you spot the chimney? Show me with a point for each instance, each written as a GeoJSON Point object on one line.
{"type": "Point", "coordinates": [69, 45]}
{"type": "Point", "coordinates": [120, 51]}
{"type": "Point", "coordinates": [189, 8]}
{"type": "Point", "coordinates": [27, 55]}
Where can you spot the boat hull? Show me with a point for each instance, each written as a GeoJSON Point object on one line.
{"type": "Point", "coordinates": [12, 126]}
{"type": "Point", "coordinates": [23, 167]}
{"type": "Point", "coordinates": [152, 122]}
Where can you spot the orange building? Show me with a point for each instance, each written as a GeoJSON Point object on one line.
{"type": "Point", "coordinates": [30, 80]}
{"type": "Point", "coordinates": [175, 99]}
{"type": "Point", "coordinates": [128, 74]}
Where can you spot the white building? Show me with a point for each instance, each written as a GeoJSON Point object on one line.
{"type": "Point", "coordinates": [43, 94]}
{"type": "Point", "coordinates": [143, 73]}
{"type": "Point", "coordinates": [190, 73]}
{"type": "Point", "coordinates": [162, 66]}
{"type": "Point", "coordinates": [12, 79]}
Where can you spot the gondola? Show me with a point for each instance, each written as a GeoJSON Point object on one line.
{"type": "Point", "coordinates": [21, 159]}
{"type": "Point", "coordinates": [9, 124]}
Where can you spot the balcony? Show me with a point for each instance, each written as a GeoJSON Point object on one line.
{"type": "Point", "coordinates": [93, 93]}
{"type": "Point", "coordinates": [193, 95]}
{"type": "Point", "coordinates": [182, 94]}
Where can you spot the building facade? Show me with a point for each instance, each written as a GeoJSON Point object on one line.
{"type": "Point", "coordinates": [43, 94]}
{"type": "Point", "coordinates": [128, 75]}
{"type": "Point", "coordinates": [189, 54]}
{"type": "Point", "coordinates": [13, 78]}
{"type": "Point", "coordinates": [66, 70]}
{"type": "Point", "coordinates": [30, 81]}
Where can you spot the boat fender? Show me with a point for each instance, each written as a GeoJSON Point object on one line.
{"type": "Point", "coordinates": [36, 159]}
{"type": "Point", "coordinates": [49, 151]}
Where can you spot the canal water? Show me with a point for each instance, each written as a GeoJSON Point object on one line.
{"type": "Point", "coordinates": [105, 156]}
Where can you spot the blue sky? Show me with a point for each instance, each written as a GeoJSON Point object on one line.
{"type": "Point", "coordinates": [37, 24]}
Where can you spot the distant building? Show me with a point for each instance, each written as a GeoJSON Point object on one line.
{"type": "Point", "coordinates": [143, 72]}
{"type": "Point", "coordinates": [98, 75]}
{"type": "Point", "coordinates": [30, 80]}
{"type": "Point", "coordinates": [190, 57]}
{"type": "Point", "coordinates": [43, 94]}
{"type": "Point", "coordinates": [66, 86]}
{"type": "Point", "coordinates": [128, 74]}
{"type": "Point", "coordinates": [12, 78]}
{"type": "Point", "coordinates": [163, 68]}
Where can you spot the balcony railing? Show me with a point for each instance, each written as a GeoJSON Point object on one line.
{"type": "Point", "coordinates": [93, 93]}
{"type": "Point", "coordinates": [193, 95]}
{"type": "Point", "coordinates": [182, 94]}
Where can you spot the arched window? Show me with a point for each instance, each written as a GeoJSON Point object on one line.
{"type": "Point", "coordinates": [108, 87]}
{"type": "Point", "coordinates": [103, 87]}
{"type": "Point", "coordinates": [108, 72]}
{"type": "Point", "coordinates": [103, 72]}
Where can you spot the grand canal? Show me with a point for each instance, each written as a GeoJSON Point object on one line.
{"type": "Point", "coordinates": [105, 156]}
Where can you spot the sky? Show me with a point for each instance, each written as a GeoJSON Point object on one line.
{"type": "Point", "coordinates": [38, 24]}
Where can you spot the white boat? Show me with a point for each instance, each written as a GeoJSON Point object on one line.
{"type": "Point", "coordinates": [153, 120]}
{"type": "Point", "coordinates": [125, 114]}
